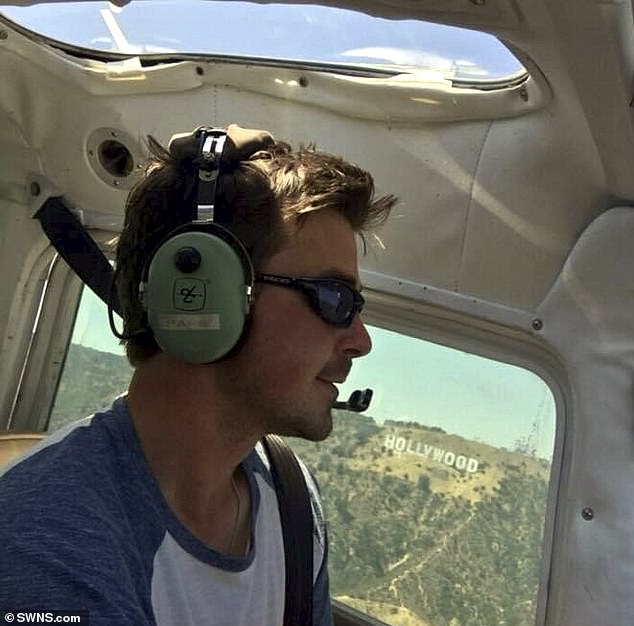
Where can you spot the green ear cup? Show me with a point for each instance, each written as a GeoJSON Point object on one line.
{"type": "Point", "coordinates": [197, 294]}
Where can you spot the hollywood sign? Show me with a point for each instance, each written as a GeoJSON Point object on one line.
{"type": "Point", "coordinates": [400, 445]}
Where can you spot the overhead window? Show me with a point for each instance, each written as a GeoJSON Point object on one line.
{"type": "Point", "coordinates": [284, 32]}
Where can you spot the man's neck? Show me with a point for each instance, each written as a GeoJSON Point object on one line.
{"type": "Point", "coordinates": [189, 436]}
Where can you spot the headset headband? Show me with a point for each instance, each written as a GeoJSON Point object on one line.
{"type": "Point", "coordinates": [212, 144]}
{"type": "Point", "coordinates": [209, 151]}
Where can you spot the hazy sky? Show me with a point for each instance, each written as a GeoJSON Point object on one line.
{"type": "Point", "coordinates": [412, 379]}
{"type": "Point", "coordinates": [464, 394]}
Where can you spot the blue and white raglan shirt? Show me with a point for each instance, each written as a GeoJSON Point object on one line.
{"type": "Point", "coordinates": [84, 526]}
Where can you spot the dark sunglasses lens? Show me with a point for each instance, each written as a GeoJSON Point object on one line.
{"type": "Point", "coordinates": [336, 303]}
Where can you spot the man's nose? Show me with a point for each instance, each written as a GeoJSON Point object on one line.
{"type": "Point", "coordinates": [357, 341]}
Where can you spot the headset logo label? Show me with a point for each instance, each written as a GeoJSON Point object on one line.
{"type": "Point", "coordinates": [207, 322]}
{"type": "Point", "coordinates": [189, 294]}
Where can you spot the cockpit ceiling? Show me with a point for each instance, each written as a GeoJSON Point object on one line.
{"type": "Point", "coordinates": [493, 196]}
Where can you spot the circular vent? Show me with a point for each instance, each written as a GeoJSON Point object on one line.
{"type": "Point", "coordinates": [114, 156]}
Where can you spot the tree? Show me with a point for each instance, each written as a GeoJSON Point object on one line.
{"type": "Point", "coordinates": [423, 483]}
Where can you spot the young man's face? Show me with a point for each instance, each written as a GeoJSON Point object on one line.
{"type": "Point", "coordinates": [292, 357]}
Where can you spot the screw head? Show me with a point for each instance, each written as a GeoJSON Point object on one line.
{"type": "Point", "coordinates": [537, 324]}
{"type": "Point", "coordinates": [587, 513]}
{"type": "Point", "coordinates": [4, 34]}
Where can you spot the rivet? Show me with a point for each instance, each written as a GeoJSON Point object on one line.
{"type": "Point", "coordinates": [35, 189]}
{"type": "Point", "coordinates": [303, 81]}
{"type": "Point", "coordinates": [587, 513]}
{"type": "Point", "coordinates": [537, 324]}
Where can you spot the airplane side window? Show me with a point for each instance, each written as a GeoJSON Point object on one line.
{"type": "Point", "coordinates": [436, 496]}
{"type": "Point", "coordinates": [96, 369]}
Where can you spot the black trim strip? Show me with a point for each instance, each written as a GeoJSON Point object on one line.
{"type": "Point", "coordinates": [78, 249]}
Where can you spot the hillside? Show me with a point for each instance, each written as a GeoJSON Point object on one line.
{"type": "Point", "coordinates": [418, 541]}
{"type": "Point", "coordinates": [90, 381]}
{"type": "Point", "coordinates": [426, 528]}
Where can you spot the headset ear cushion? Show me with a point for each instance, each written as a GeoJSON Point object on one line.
{"type": "Point", "coordinates": [197, 292]}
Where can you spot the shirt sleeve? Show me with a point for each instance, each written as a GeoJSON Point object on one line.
{"type": "Point", "coordinates": [33, 578]}
{"type": "Point", "coordinates": [57, 553]}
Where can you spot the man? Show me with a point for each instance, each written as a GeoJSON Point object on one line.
{"type": "Point", "coordinates": [162, 510]}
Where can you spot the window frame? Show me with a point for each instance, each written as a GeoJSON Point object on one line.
{"type": "Point", "coordinates": [43, 361]}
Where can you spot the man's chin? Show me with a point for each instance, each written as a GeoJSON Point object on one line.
{"type": "Point", "coordinates": [314, 428]}
{"type": "Point", "coordinates": [317, 436]}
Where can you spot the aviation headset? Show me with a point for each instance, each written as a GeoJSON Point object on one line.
{"type": "Point", "coordinates": [197, 285]}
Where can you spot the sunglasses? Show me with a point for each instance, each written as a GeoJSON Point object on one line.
{"type": "Point", "coordinates": [335, 301]}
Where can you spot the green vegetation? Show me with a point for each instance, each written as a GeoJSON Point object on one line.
{"type": "Point", "coordinates": [401, 538]}
{"type": "Point", "coordinates": [90, 381]}
{"type": "Point", "coordinates": [413, 540]}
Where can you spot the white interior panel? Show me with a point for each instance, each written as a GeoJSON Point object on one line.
{"type": "Point", "coordinates": [588, 318]}
{"type": "Point", "coordinates": [538, 183]}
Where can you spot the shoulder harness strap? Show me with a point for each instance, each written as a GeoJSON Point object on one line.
{"type": "Point", "coordinates": [296, 515]}
{"type": "Point", "coordinates": [78, 249]}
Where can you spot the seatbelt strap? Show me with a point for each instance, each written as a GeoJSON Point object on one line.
{"type": "Point", "coordinates": [78, 249]}
{"type": "Point", "coordinates": [296, 515]}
